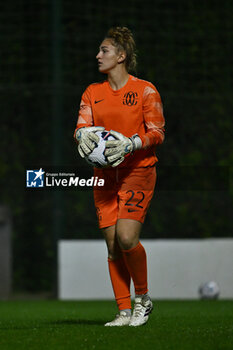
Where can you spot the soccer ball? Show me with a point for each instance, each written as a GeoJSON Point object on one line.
{"type": "Point", "coordinates": [209, 290]}
{"type": "Point", "coordinates": [97, 158]}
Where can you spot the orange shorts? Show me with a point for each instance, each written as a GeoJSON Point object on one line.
{"type": "Point", "coordinates": [127, 194]}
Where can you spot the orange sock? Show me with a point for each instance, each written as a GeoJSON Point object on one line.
{"type": "Point", "coordinates": [120, 278]}
{"type": "Point", "coordinates": [136, 263]}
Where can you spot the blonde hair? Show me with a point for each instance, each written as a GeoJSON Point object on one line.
{"type": "Point", "coordinates": [122, 39]}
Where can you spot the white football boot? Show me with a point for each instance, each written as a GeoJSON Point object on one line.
{"type": "Point", "coordinates": [122, 319]}
{"type": "Point", "coordinates": [142, 308]}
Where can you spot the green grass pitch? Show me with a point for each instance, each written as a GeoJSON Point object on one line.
{"type": "Point", "coordinates": [78, 325]}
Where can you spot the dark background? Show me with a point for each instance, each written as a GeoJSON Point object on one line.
{"type": "Point", "coordinates": [48, 51]}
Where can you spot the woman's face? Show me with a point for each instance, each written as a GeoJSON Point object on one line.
{"type": "Point", "coordinates": [108, 57]}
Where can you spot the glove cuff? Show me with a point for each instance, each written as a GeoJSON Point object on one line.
{"type": "Point", "coordinates": [136, 141]}
{"type": "Point", "coordinates": [76, 134]}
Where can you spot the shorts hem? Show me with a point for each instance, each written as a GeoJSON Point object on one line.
{"type": "Point", "coordinates": [112, 223]}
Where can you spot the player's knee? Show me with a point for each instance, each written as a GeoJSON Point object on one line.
{"type": "Point", "coordinates": [125, 241]}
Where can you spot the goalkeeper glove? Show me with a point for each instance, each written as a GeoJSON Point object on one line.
{"type": "Point", "coordinates": [117, 149]}
{"type": "Point", "coordinates": [87, 139]}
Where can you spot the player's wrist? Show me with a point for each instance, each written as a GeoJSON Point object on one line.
{"type": "Point", "coordinates": [136, 142]}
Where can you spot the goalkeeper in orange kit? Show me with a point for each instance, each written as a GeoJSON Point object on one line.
{"type": "Point", "coordinates": [131, 108]}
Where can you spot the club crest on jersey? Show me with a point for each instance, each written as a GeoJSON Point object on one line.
{"type": "Point", "coordinates": [130, 98]}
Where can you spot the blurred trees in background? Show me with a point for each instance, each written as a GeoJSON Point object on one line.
{"type": "Point", "coordinates": [184, 48]}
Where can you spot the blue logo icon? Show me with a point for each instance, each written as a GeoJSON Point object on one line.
{"type": "Point", "coordinates": [35, 178]}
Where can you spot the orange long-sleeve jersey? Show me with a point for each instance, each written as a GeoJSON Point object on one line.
{"type": "Point", "coordinates": [136, 108]}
